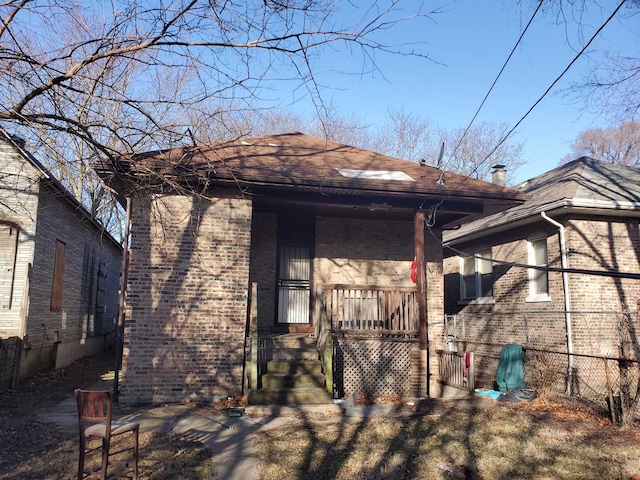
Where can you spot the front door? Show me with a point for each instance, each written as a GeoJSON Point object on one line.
{"type": "Point", "coordinates": [294, 284]}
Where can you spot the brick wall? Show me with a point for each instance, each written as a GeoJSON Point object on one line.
{"type": "Point", "coordinates": [602, 244]}
{"type": "Point", "coordinates": [187, 298]}
{"type": "Point", "coordinates": [364, 252]}
{"type": "Point", "coordinates": [593, 243]}
{"type": "Point", "coordinates": [264, 240]}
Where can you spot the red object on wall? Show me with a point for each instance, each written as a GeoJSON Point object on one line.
{"type": "Point", "coordinates": [414, 271]}
{"type": "Point", "coordinates": [467, 364]}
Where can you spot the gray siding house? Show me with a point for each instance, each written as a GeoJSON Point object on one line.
{"type": "Point", "coordinates": [59, 270]}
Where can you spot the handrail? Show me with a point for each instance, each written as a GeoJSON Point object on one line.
{"type": "Point", "coordinates": [250, 380]}
{"type": "Point", "coordinates": [324, 340]}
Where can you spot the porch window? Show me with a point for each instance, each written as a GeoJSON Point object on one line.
{"type": "Point", "coordinates": [538, 279]}
{"type": "Point", "coordinates": [477, 276]}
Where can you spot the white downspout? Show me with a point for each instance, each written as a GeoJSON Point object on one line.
{"type": "Point", "coordinates": [567, 299]}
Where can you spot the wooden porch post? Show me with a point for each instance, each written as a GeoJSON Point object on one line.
{"type": "Point", "coordinates": [423, 367]}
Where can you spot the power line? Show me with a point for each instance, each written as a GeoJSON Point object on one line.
{"type": "Point", "coordinates": [546, 92]}
{"type": "Point", "coordinates": [581, 271]}
{"type": "Point", "coordinates": [495, 80]}
{"type": "Point", "coordinates": [430, 220]}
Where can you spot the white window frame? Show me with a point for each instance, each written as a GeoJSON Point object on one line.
{"type": "Point", "coordinates": [482, 264]}
{"type": "Point", "coordinates": [535, 295]}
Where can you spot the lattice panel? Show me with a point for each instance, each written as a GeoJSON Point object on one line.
{"type": "Point", "coordinates": [374, 367]}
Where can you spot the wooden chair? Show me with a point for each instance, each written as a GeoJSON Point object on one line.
{"type": "Point", "coordinates": [94, 420]}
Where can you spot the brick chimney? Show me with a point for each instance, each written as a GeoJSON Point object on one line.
{"type": "Point", "coordinates": [499, 175]}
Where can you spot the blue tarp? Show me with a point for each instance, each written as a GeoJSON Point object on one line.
{"type": "Point", "coordinates": [510, 374]}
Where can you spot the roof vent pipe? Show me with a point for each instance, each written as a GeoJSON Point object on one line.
{"type": "Point", "coordinates": [499, 175]}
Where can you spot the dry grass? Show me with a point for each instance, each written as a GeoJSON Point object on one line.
{"type": "Point", "coordinates": [162, 457]}
{"type": "Point", "coordinates": [30, 449]}
{"type": "Point", "coordinates": [505, 442]}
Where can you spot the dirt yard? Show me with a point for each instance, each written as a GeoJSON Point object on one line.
{"type": "Point", "coordinates": [425, 440]}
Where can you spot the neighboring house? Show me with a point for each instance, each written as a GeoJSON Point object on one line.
{"type": "Point", "coordinates": [59, 269]}
{"type": "Point", "coordinates": [591, 207]}
{"type": "Point", "coordinates": [324, 232]}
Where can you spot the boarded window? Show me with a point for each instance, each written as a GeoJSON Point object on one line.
{"type": "Point", "coordinates": [58, 277]}
{"type": "Point", "coordinates": [8, 251]}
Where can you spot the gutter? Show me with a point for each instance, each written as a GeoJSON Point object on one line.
{"type": "Point", "coordinates": [567, 299]}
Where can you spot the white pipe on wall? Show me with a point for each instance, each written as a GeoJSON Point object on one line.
{"type": "Point", "coordinates": [567, 299]}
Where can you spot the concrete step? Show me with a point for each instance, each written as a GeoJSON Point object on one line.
{"type": "Point", "coordinates": [295, 367]}
{"type": "Point", "coordinates": [277, 381]}
{"type": "Point", "coordinates": [302, 341]}
{"type": "Point", "coordinates": [290, 396]}
{"type": "Point", "coordinates": [294, 354]}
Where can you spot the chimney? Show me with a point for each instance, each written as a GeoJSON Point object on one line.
{"type": "Point", "coordinates": [499, 175]}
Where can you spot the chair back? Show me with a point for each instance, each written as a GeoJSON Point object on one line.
{"type": "Point", "coordinates": [93, 406]}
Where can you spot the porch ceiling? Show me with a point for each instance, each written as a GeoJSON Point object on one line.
{"type": "Point", "coordinates": [363, 206]}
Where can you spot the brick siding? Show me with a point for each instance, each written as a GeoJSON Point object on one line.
{"type": "Point", "coordinates": [187, 298]}
{"type": "Point", "coordinates": [592, 243]}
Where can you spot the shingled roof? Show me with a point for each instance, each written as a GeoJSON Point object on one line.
{"type": "Point", "coordinates": [297, 164]}
{"type": "Point", "coordinates": [586, 185]}
{"type": "Point", "coordinates": [301, 161]}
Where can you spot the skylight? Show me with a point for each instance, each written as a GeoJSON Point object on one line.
{"type": "Point", "coordinates": [375, 174]}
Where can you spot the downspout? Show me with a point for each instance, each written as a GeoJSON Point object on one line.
{"type": "Point", "coordinates": [124, 270]}
{"type": "Point", "coordinates": [567, 299]}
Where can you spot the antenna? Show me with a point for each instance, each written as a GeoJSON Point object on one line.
{"type": "Point", "coordinates": [440, 180]}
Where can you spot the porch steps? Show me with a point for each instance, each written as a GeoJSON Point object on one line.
{"type": "Point", "coordinates": [293, 375]}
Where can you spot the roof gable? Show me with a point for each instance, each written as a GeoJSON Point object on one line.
{"type": "Point", "coordinates": [590, 185]}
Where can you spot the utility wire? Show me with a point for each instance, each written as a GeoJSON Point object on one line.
{"type": "Point", "coordinates": [430, 219]}
{"type": "Point", "coordinates": [545, 268]}
{"type": "Point", "coordinates": [546, 92]}
{"type": "Point", "coordinates": [494, 82]}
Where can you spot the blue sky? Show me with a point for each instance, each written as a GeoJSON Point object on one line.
{"type": "Point", "coordinates": [470, 40]}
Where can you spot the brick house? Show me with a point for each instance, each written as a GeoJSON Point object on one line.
{"type": "Point", "coordinates": [59, 270]}
{"type": "Point", "coordinates": [582, 217]}
{"type": "Point", "coordinates": [287, 247]}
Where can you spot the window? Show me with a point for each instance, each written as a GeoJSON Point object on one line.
{"type": "Point", "coordinates": [58, 276]}
{"type": "Point", "coordinates": [538, 279]}
{"type": "Point", "coordinates": [477, 276]}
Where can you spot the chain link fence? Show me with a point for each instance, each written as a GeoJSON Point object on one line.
{"type": "Point", "coordinates": [602, 375]}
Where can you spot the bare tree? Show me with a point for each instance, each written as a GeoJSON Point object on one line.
{"type": "Point", "coordinates": [611, 83]}
{"type": "Point", "coordinates": [410, 137]}
{"type": "Point", "coordinates": [107, 79]}
{"type": "Point", "coordinates": [618, 144]}
{"type": "Point", "coordinates": [484, 145]}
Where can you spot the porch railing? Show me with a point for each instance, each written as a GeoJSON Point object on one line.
{"type": "Point", "coordinates": [370, 307]}
{"type": "Point", "coordinates": [457, 369]}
